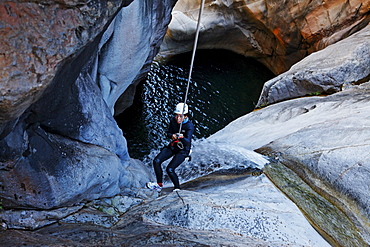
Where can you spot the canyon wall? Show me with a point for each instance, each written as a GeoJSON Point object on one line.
{"type": "Point", "coordinates": [66, 64]}
{"type": "Point", "coordinates": [37, 39]}
{"type": "Point", "coordinates": [277, 33]}
{"type": "Point", "coordinates": [59, 143]}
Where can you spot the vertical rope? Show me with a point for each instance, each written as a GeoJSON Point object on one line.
{"type": "Point", "coordinates": [192, 58]}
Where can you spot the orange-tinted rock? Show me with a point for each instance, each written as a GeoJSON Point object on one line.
{"type": "Point", "coordinates": [277, 33]}
{"type": "Point", "coordinates": [36, 38]}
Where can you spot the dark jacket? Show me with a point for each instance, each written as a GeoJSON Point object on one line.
{"type": "Point", "coordinates": [187, 130]}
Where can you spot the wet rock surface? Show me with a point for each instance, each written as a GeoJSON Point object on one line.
{"type": "Point", "coordinates": [330, 221]}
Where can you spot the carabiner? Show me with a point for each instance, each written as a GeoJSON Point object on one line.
{"type": "Point", "coordinates": [180, 145]}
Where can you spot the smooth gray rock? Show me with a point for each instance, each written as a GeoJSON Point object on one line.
{"type": "Point", "coordinates": [238, 210]}
{"type": "Point", "coordinates": [127, 48]}
{"type": "Point", "coordinates": [325, 138]}
{"type": "Point", "coordinates": [327, 71]}
{"type": "Point", "coordinates": [333, 153]}
{"type": "Point", "coordinates": [33, 219]}
{"type": "Point", "coordinates": [208, 157]}
{"type": "Point", "coordinates": [66, 147]}
{"type": "Point", "coordinates": [91, 216]}
{"type": "Point", "coordinates": [249, 207]}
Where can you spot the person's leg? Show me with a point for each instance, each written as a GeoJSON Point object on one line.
{"type": "Point", "coordinates": [165, 154]}
{"type": "Point", "coordinates": [174, 163]}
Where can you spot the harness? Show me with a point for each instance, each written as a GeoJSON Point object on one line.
{"type": "Point", "coordinates": [177, 143]}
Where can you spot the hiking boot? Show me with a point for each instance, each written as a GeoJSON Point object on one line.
{"type": "Point", "coordinates": [153, 186]}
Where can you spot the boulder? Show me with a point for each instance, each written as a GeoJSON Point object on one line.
{"type": "Point", "coordinates": [318, 144]}
{"type": "Point", "coordinates": [335, 68]}
{"type": "Point", "coordinates": [331, 154]}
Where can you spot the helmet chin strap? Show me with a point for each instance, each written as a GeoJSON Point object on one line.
{"type": "Point", "coordinates": [192, 59]}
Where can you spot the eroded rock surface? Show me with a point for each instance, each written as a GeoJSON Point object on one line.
{"type": "Point", "coordinates": [323, 139]}
{"type": "Point", "coordinates": [277, 33]}
{"type": "Point", "coordinates": [37, 38]}
{"type": "Point", "coordinates": [335, 68]}
{"type": "Point", "coordinates": [239, 210]}
{"type": "Point", "coordinates": [66, 148]}
{"type": "Point", "coordinates": [59, 143]}
{"type": "Point", "coordinates": [127, 48]}
{"type": "Point", "coordinates": [332, 154]}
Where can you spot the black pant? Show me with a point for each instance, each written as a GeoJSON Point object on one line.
{"type": "Point", "coordinates": [166, 153]}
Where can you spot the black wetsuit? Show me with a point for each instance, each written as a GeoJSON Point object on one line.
{"type": "Point", "coordinates": [167, 152]}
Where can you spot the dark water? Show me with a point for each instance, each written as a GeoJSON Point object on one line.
{"type": "Point", "coordinates": [224, 86]}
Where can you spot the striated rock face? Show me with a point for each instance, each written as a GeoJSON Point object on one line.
{"type": "Point", "coordinates": [330, 153]}
{"type": "Point", "coordinates": [323, 140]}
{"type": "Point", "coordinates": [59, 143]}
{"type": "Point", "coordinates": [127, 48]}
{"type": "Point", "coordinates": [277, 33]}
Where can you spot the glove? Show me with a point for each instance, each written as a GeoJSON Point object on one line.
{"type": "Point", "coordinates": [177, 136]}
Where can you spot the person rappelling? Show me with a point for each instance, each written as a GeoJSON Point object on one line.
{"type": "Point", "coordinates": [180, 131]}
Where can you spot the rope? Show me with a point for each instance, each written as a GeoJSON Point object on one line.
{"type": "Point", "coordinates": [192, 58]}
{"type": "Point", "coordinates": [180, 197]}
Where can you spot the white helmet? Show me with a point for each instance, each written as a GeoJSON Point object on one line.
{"type": "Point", "coordinates": [180, 109]}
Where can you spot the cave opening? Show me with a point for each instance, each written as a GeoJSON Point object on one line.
{"type": "Point", "coordinates": [224, 86]}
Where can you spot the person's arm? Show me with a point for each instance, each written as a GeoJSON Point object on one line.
{"type": "Point", "coordinates": [186, 140]}
{"type": "Point", "coordinates": [170, 130]}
